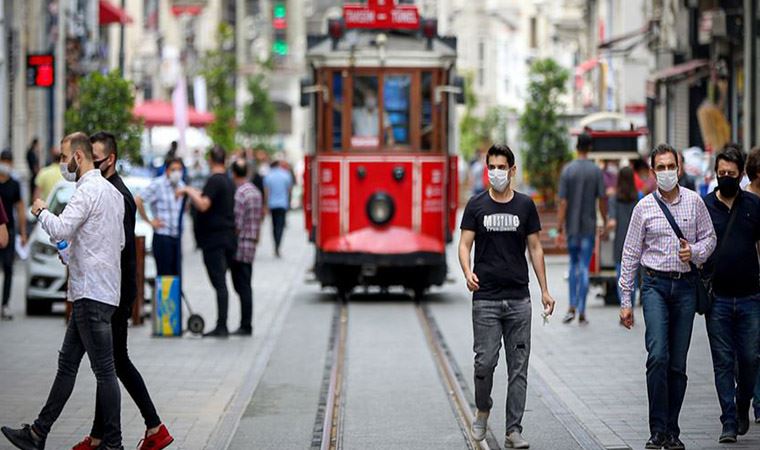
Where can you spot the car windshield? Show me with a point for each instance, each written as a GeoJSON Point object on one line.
{"type": "Point", "coordinates": [60, 199]}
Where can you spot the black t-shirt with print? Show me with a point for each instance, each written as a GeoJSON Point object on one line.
{"type": "Point", "coordinates": [501, 234]}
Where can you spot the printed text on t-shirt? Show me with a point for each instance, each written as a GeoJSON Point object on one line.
{"type": "Point", "coordinates": [501, 222]}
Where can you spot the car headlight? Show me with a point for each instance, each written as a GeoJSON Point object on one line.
{"type": "Point", "coordinates": [380, 208]}
{"type": "Point", "coordinates": [40, 248]}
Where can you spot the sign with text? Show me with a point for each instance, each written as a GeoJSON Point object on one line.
{"type": "Point", "coordinates": [381, 14]}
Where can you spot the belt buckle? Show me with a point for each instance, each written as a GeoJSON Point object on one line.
{"type": "Point", "coordinates": [679, 276]}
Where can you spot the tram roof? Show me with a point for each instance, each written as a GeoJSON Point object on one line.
{"type": "Point", "coordinates": [401, 50]}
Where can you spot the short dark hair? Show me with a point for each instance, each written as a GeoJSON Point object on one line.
{"type": "Point", "coordinates": [172, 160]}
{"type": "Point", "coordinates": [240, 168]}
{"type": "Point", "coordinates": [79, 141]}
{"type": "Point", "coordinates": [217, 155]}
{"type": "Point", "coordinates": [585, 142]}
{"type": "Point", "coordinates": [661, 149]}
{"type": "Point", "coordinates": [6, 155]}
{"type": "Point", "coordinates": [753, 163]}
{"type": "Point", "coordinates": [109, 142]}
{"type": "Point", "coordinates": [731, 153]}
{"type": "Point", "coordinates": [501, 150]}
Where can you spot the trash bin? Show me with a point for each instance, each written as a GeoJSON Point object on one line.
{"type": "Point", "coordinates": [167, 307]}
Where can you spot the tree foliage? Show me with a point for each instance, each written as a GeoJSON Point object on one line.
{"type": "Point", "coordinates": [475, 131]}
{"type": "Point", "coordinates": [544, 137]}
{"type": "Point", "coordinates": [258, 123]}
{"type": "Point", "coordinates": [218, 68]}
{"type": "Point", "coordinates": [105, 103]}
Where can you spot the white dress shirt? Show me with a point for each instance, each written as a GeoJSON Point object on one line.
{"type": "Point", "coordinates": [93, 225]}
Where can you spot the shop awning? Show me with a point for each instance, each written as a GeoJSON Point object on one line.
{"type": "Point", "coordinates": [680, 70]}
{"type": "Point", "coordinates": [156, 112]}
{"type": "Point", "coordinates": [585, 66]}
{"type": "Point", "coordinates": [109, 13]}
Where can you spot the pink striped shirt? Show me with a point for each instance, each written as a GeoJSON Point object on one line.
{"type": "Point", "coordinates": [652, 243]}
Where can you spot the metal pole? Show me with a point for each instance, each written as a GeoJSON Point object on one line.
{"type": "Point", "coordinates": [60, 73]}
{"type": "Point", "coordinates": [18, 142]}
{"type": "Point", "coordinates": [750, 75]}
{"type": "Point", "coordinates": [121, 42]}
{"type": "Point", "coordinates": [4, 88]}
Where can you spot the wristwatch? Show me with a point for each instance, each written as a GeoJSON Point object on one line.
{"type": "Point", "coordinates": [39, 211]}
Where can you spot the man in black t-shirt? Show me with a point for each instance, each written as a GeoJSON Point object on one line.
{"type": "Point", "coordinates": [216, 230]}
{"type": "Point", "coordinates": [10, 194]}
{"type": "Point", "coordinates": [502, 223]}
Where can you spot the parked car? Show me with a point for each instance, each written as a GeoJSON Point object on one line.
{"type": "Point", "coordinates": [46, 275]}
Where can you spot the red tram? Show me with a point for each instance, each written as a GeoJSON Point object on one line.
{"type": "Point", "coordinates": [380, 193]}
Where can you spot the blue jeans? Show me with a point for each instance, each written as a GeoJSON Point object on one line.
{"type": "Point", "coordinates": [618, 268]}
{"type": "Point", "coordinates": [580, 248]}
{"type": "Point", "coordinates": [669, 307]}
{"type": "Point", "coordinates": [733, 326]}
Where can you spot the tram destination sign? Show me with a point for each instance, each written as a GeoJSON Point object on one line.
{"type": "Point", "coordinates": [381, 14]}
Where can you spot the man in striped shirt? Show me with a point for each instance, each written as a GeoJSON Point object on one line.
{"type": "Point", "coordinates": [669, 288]}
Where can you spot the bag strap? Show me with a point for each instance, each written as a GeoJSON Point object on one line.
{"type": "Point", "coordinates": [673, 224]}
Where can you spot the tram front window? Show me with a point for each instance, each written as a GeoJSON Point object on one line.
{"type": "Point", "coordinates": [365, 116]}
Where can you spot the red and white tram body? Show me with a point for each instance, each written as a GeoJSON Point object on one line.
{"type": "Point", "coordinates": [381, 180]}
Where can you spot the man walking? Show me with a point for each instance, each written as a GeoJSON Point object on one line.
{"type": "Point", "coordinates": [733, 322]}
{"type": "Point", "coordinates": [216, 226]}
{"type": "Point", "coordinates": [105, 152]}
{"type": "Point", "coordinates": [581, 184]}
{"type": "Point", "coordinates": [48, 176]}
{"type": "Point", "coordinates": [501, 223]}
{"type": "Point", "coordinates": [10, 195]}
{"type": "Point", "coordinates": [668, 288]}
{"type": "Point", "coordinates": [248, 204]}
{"type": "Point", "coordinates": [92, 224]}
{"type": "Point", "coordinates": [277, 185]}
{"type": "Point", "coordinates": [166, 207]}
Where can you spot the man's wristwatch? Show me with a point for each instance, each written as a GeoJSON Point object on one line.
{"type": "Point", "coordinates": [39, 211]}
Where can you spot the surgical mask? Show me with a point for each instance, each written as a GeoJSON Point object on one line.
{"type": "Point", "coordinates": [371, 102]}
{"type": "Point", "coordinates": [175, 177]}
{"type": "Point", "coordinates": [499, 179]}
{"type": "Point", "coordinates": [667, 180]}
{"type": "Point", "coordinates": [68, 174]}
{"type": "Point", "coordinates": [728, 186]}
{"type": "Point", "coordinates": [5, 169]}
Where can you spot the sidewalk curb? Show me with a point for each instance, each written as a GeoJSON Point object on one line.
{"type": "Point", "coordinates": [587, 428]}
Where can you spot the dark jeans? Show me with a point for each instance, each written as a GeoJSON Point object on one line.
{"type": "Point", "coordinates": [492, 322]}
{"type": "Point", "coordinates": [217, 260]}
{"type": "Point", "coordinates": [669, 307]}
{"type": "Point", "coordinates": [733, 326]}
{"type": "Point", "coordinates": [6, 259]}
{"type": "Point", "coordinates": [88, 331]}
{"type": "Point", "coordinates": [127, 373]}
{"type": "Point", "coordinates": [166, 253]}
{"type": "Point", "coordinates": [580, 248]}
{"type": "Point", "coordinates": [241, 280]}
{"type": "Point", "coordinates": [278, 225]}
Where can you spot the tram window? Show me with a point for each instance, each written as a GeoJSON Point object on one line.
{"type": "Point", "coordinates": [426, 133]}
{"type": "Point", "coordinates": [337, 112]}
{"type": "Point", "coordinates": [396, 102]}
{"type": "Point", "coordinates": [365, 120]}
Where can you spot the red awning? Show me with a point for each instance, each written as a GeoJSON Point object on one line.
{"type": "Point", "coordinates": [156, 112]}
{"type": "Point", "coordinates": [680, 70]}
{"type": "Point", "coordinates": [585, 66]}
{"type": "Point", "coordinates": [109, 14]}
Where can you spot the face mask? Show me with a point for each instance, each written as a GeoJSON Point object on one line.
{"type": "Point", "coordinates": [667, 180]}
{"type": "Point", "coordinates": [499, 179]}
{"type": "Point", "coordinates": [68, 176]}
{"type": "Point", "coordinates": [371, 103]}
{"type": "Point", "coordinates": [728, 186]}
{"type": "Point", "coordinates": [175, 177]}
{"type": "Point", "coordinates": [5, 169]}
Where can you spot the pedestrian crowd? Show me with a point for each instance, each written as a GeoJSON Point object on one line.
{"type": "Point", "coordinates": [96, 230]}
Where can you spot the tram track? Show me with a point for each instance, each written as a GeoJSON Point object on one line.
{"type": "Point", "coordinates": [329, 423]}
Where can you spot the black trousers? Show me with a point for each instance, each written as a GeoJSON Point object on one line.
{"type": "Point", "coordinates": [241, 281]}
{"type": "Point", "coordinates": [278, 225]}
{"type": "Point", "coordinates": [166, 253]}
{"type": "Point", "coordinates": [88, 331]}
{"type": "Point", "coordinates": [7, 255]}
{"type": "Point", "coordinates": [127, 373]}
{"type": "Point", "coordinates": [217, 260]}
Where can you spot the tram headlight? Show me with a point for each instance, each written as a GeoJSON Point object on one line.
{"type": "Point", "coordinates": [380, 208]}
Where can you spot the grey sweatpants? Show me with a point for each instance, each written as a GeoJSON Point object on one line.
{"type": "Point", "coordinates": [492, 321]}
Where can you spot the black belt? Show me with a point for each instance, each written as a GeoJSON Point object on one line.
{"type": "Point", "coordinates": [671, 275]}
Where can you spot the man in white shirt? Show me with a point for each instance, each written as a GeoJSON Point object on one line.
{"type": "Point", "coordinates": [92, 224]}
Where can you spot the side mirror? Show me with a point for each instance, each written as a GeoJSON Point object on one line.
{"type": "Point", "coordinates": [307, 89]}
{"type": "Point", "coordinates": [304, 96]}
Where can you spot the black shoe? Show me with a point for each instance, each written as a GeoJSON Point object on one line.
{"type": "Point", "coordinates": [582, 320]}
{"type": "Point", "coordinates": [742, 422]}
{"type": "Point", "coordinates": [656, 441]}
{"type": "Point", "coordinates": [217, 333]}
{"type": "Point", "coordinates": [674, 443]}
{"type": "Point", "coordinates": [242, 332]}
{"type": "Point", "coordinates": [568, 317]}
{"type": "Point", "coordinates": [728, 436]}
{"type": "Point", "coordinates": [757, 415]}
{"type": "Point", "coordinates": [23, 438]}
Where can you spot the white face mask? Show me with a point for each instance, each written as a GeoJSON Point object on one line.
{"type": "Point", "coordinates": [68, 176]}
{"type": "Point", "coordinates": [499, 179]}
{"type": "Point", "coordinates": [667, 179]}
{"type": "Point", "coordinates": [175, 177]}
{"type": "Point", "coordinates": [371, 102]}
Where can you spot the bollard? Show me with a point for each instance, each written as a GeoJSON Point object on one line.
{"type": "Point", "coordinates": [137, 307]}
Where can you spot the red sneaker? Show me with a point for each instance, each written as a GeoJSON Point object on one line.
{"type": "Point", "coordinates": [157, 441]}
{"type": "Point", "coordinates": [86, 444]}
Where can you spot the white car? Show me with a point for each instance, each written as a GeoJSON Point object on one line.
{"type": "Point", "coordinates": [46, 275]}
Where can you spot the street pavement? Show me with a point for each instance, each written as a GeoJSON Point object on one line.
{"type": "Point", "coordinates": [586, 384]}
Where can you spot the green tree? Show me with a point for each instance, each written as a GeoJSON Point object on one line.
{"type": "Point", "coordinates": [258, 123]}
{"type": "Point", "coordinates": [219, 67]}
{"type": "Point", "coordinates": [105, 103]}
{"type": "Point", "coordinates": [544, 137]}
{"type": "Point", "coordinates": [477, 131]}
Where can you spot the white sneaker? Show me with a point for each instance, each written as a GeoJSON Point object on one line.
{"type": "Point", "coordinates": [479, 425]}
{"type": "Point", "coordinates": [5, 313]}
{"type": "Point", "coordinates": [515, 440]}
